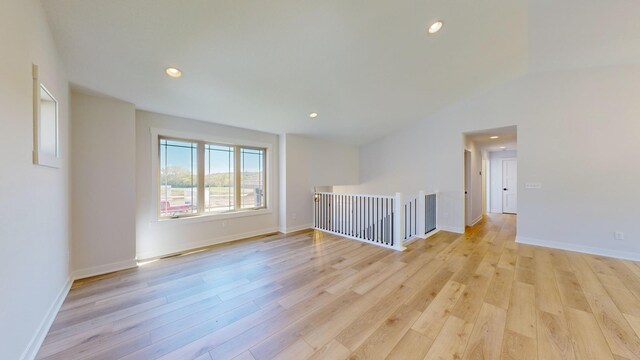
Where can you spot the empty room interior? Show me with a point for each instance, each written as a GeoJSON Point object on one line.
{"type": "Point", "coordinates": [296, 180]}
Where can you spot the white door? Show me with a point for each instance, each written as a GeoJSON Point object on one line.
{"type": "Point", "coordinates": [467, 188]}
{"type": "Point", "coordinates": [510, 186]}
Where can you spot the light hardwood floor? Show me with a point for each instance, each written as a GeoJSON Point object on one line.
{"type": "Point", "coordinates": [318, 296]}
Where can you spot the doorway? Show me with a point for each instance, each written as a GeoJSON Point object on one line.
{"type": "Point", "coordinates": [509, 186]}
{"type": "Point", "coordinates": [490, 173]}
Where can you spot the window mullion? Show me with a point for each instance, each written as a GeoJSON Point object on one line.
{"type": "Point", "coordinates": [201, 185]}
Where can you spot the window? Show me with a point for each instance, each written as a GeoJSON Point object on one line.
{"type": "Point", "coordinates": [202, 178]}
{"type": "Point", "coordinates": [219, 193]}
{"type": "Point", "coordinates": [252, 178]}
{"type": "Point", "coordinates": [178, 177]}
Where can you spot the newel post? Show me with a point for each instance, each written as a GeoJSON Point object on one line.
{"type": "Point", "coordinates": [421, 215]}
{"type": "Point", "coordinates": [398, 222]}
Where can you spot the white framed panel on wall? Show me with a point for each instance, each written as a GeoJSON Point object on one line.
{"type": "Point", "coordinates": [46, 124]}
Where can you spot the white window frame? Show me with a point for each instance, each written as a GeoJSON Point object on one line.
{"type": "Point", "coordinates": [156, 134]}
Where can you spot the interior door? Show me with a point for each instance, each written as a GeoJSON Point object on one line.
{"type": "Point", "coordinates": [467, 188]}
{"type": "Point", "coordinates": [510, 186]}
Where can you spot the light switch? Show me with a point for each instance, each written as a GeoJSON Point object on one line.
{"type": "Point", "coordinates": [533, 185]}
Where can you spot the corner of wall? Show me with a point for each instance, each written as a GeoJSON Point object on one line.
{"type": "Point", "coordinates": [296, 228]}
{"type": "Point", "coordinates": [453, 229]}
{"type": "Point", "coordinates": [103, 269]}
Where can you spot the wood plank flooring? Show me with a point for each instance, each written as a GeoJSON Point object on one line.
{"type": "Point", "coordinates": [317, 296]}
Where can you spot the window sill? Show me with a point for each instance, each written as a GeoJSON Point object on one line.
{"type": "Point", "coordinates": [213, 217]}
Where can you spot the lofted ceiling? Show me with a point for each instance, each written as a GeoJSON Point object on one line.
{"type": "Point", "coordinates": [366, 67]}
{"type": "Point", "coordinates": [572, 34]}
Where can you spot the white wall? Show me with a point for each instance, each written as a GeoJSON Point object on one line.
{"type": "Point", "coordinates": [282, 189]}
{"type": "Point", "coordinates": [103, 182]}
{"type": "Point", "coordinates": [495, 183]}
{"type": "Point", "coordinates": [485, 163]}
{"type": "Point", "coordinates": [577, 135]}
{"type": "Point", "coordinates": [34, 207]}
{"type": "Point", "coordinates": [312, 163]}
{"type": "Point", "coordinates": [155, 238]}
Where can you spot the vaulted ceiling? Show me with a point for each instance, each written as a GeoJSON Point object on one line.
{"type": "Point", "coordinates": [367, 67]}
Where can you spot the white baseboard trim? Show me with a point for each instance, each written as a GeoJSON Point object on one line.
{"type": "Point", "coordinates": [38, 338]}
{"type": "Point", "coordinates": [204, 243]}
{"type": "Point", "coordinates": [426, 236]}
{"type": "Point", "coordinates": [476, 220]}
{"type": "Point", "coordinates": [452, 229]}
{"type": "Point", "coordinates": [103, 269]}
{"type": "Point", "coordinates": [579, 248]}
{"type": "Point", "coordinates": [409, 241]}
{"type": "Point", "coordinates": [433, 232]}
{"type": "Point", "coordinates": [296, 228]}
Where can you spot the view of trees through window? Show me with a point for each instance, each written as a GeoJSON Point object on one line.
{"type": "Point", "coordinates": [222, 190]}
{"type": "Point", "coordinates": [219, 178]}
{"type": "Point", "coordinates": [178, 177]}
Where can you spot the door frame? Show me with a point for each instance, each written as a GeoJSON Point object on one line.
{"type": "Point", "coordinates": [468, 192]}
{"type": "Point", "coordinates": [484, 181]}
{"type": "Point", "coordinates": [502, 183]}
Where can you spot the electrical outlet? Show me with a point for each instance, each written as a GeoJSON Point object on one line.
{"type": "Point", "coordinates": [224, 224]}
{"type": "Point", "coordinates": [618, 235]}
{"type": "Point", "coordinates": [533, 185]}
{"type": "Point", "coordinates": [294, 216]}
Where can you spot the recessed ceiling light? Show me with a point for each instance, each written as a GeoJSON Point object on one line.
{"type": "Point", "coordinates": [503, 147]}
{"type": "Point", "coordinates": [494, 137]}
{"type": "Point", "coordinates": [435, 27]}
{"type": "Point", "coordinates": [313, 115]}
{"type": "Point", "coordinates": [173, 72]}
